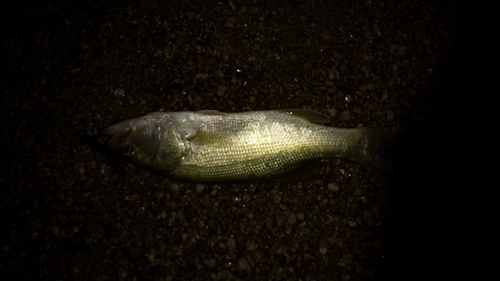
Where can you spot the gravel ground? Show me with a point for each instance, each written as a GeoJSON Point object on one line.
{"type": "Point", "coordinates": [416, 68]}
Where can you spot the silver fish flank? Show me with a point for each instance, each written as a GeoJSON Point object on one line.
{"type": "Point", "coordinates": [212, 146]}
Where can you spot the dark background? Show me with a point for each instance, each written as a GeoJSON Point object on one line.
{"type": "Point", "coordinates": [422, 69]}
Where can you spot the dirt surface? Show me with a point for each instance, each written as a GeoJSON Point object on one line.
{"type": "Point", "coordinates": [415, 68]}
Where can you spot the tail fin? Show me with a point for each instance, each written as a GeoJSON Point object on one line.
{"type": "Point", "coordinates": [378, 150]}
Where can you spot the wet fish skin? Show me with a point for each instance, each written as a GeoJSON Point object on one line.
{"type": "Point", "coordinates": [211, 146]}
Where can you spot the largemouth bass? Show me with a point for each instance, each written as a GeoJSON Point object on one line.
{"type": "Point", "coordinates": [212, 146]}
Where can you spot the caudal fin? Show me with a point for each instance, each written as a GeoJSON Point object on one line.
{"type": "Point", "coordinates": [379, 150]}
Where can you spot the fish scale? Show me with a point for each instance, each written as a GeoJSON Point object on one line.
{"type": "Point", "coordinates": [211, 146]}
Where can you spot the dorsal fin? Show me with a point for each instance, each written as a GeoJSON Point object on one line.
{"type": "Point", "coordinates": [211, 112]}
{"type": "Point", "coordinates": [310, 115]}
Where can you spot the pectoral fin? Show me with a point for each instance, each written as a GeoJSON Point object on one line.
{"type": "Point", "coordinates": [204, 138]}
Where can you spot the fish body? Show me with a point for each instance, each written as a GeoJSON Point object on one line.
{"type": "Point", "coordinates": [212, 146]}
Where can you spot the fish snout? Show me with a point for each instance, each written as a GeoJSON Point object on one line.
{"type": "Point", "coordinates": [118, 137]}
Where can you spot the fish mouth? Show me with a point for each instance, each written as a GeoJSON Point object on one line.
{"type": "Point", "coordinates": [118, 136]}
{"type": "Point", "coordinates": [125, 136]}
{"type": "Point", "coordinates": [95, 143]}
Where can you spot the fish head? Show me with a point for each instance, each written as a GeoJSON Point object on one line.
{"type": "Point", "coordinates": [145, 140]}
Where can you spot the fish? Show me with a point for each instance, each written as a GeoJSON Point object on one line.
{"type": "Point", "coordinates": [210, 146]}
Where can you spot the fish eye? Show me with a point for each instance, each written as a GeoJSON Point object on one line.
{"type": "Point", "coordinates": [128, 151]}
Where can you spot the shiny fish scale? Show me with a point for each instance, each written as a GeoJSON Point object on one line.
{"type": "Point", "coordinates": [211, 146]}
{"type": "Point", "coordinates": [259, 148]}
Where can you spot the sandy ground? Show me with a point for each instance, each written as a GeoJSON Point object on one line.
{"type": "Point", "coordinates": [421, 69]}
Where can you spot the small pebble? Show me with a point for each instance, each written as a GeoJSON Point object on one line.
{"type": "Point", "coordinates": [119, 92]}
{"type": "Point", "coordinates": [333, 186]}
